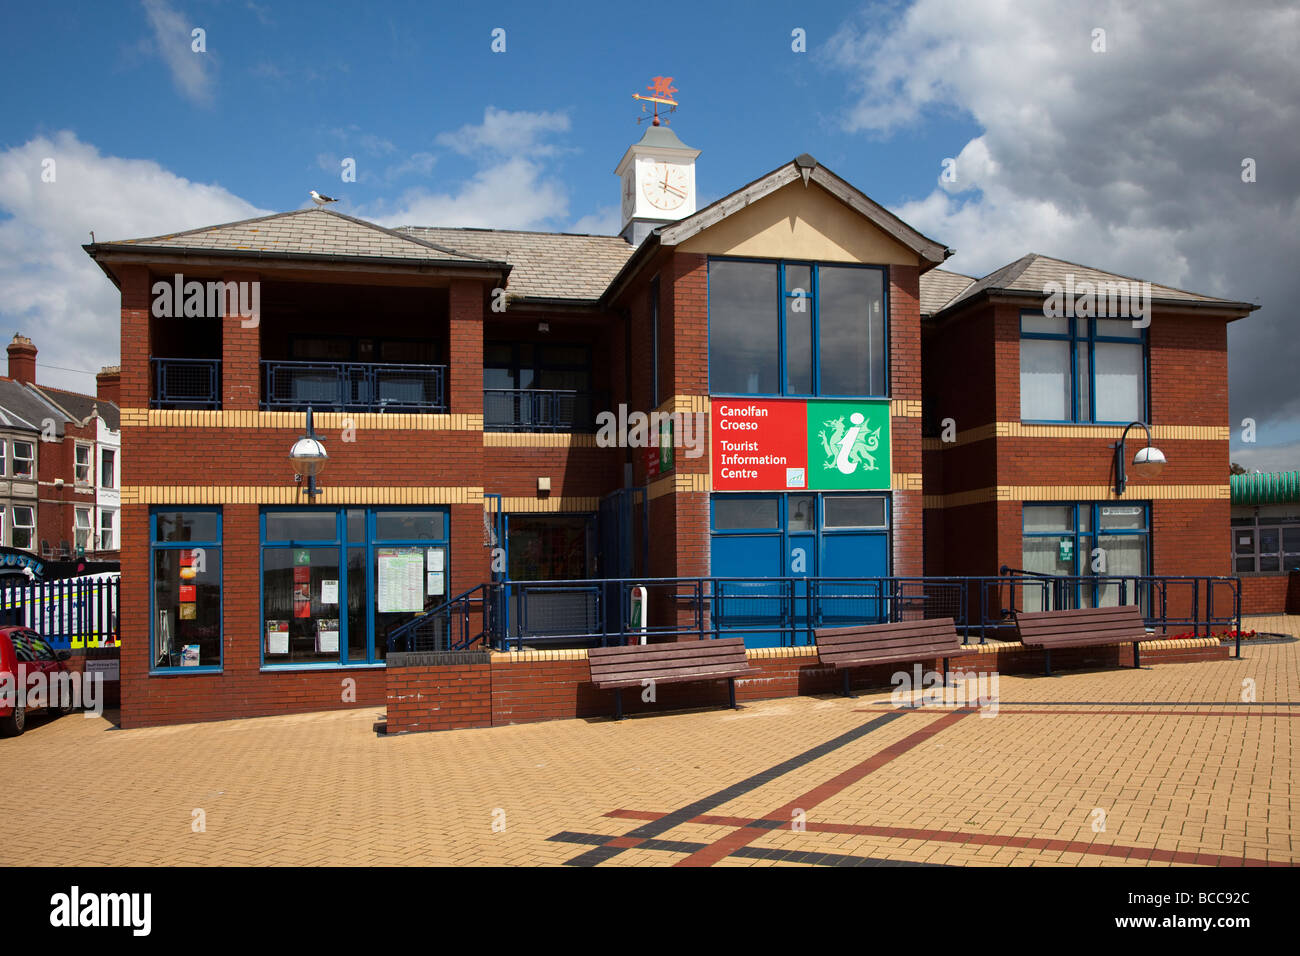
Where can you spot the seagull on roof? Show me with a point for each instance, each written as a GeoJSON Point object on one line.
{"type": "Point", "coordinates": [320, 200]}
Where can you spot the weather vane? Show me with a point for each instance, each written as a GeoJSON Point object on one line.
{"type": "Point", "coordinates": [661, 93]}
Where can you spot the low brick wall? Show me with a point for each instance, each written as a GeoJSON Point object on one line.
{"type": "Point", "coordinates": [478, 689]}
{"type": "Point", "coordinates": [1270, 594]}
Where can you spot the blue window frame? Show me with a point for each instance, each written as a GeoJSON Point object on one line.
{"type": "Point", "coordinates": [798, 516]}
{"type": "Point", "coordinates": [185, 596]}
{"type": "Point", "coordinates": [798, 329]}
{"type": "Point", "coordinates": [332, 580]}
{"type": "Point", "coordinates": [1082, 370]}
{"type": "Point", "coordinates": [1063, 537]}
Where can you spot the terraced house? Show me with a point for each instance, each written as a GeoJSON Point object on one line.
{"type": "Point", "coordinates": [859, 413]}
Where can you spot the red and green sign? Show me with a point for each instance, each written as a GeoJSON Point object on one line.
{"type": "Point", "coordinates": [798, 444]}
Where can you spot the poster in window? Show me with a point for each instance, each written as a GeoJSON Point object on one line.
{"type": "Point", "coordinates": [329, 592]}
{"type": "Point", "coordinates": [277, 637]}
{"type": "Point", "coordinates": [190, 655]}
{"type": "Point", "coordinates": [188, 593]}
{"type": "Point", "coordinates": [401, 580]}
{"type": "Point", "coordinates": [436, 557]}
{"type": "Point", "coordinates": [189, 612]}
{"type": "Point", "coordinates": [301, 574]}
{"type": "Point", "coordinates": [327, 636]}
{"type": "Point", "coordinates": [302, 556]}
{"type": "Point", "coordinates": [434, 584]}
{"type": "Point", "coordinates": [302, 599]}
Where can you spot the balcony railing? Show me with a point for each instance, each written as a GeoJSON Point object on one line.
{"type": "Point", "coordinates": [353, 387]}
{"type": "Point", "coordinates": [186, 383]}
{"type": "Point", "coordinates": [539, 410]}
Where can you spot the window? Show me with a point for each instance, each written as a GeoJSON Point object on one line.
{"type": "Point", "coordinates": [1266, 543]}
{"type": "Point", "coordinates": [82, 465]}
{"type": "Point", "coordinates": [788, 328]}
{"type": "Point", "coordinates": [185, 618]}
{"type": "Point", "coordinates": [537, 387]}
{"type": "Point", "coordinates": [30, 647]}
{"type": "Point", "coordinates": [24, 529]}
{"type": "Point", "coordinates": [1081, 370]}
{"type": "Point", "coordinates": [107, 537]}
{"type": "Point", "coordinates": [336, 581]}
{"type": "Point", "coordinates": [81, 528]}
{"type": "Point", "coordinates": [107, 468]}
{"type": "Point", "coordinates": [1086, 540]}
{"type": "Point", "coordinates": [24, 459]}
{"type": "Point", "coordinates": [3, 456]}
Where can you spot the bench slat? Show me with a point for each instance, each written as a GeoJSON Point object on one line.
{"type": "Point", "coordinates": [680, 677]}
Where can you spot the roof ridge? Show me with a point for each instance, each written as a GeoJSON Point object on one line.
{"type": "Point", "coordinates": [1120, 275]}
{"type": "Point", "coordinates": [519, 232]}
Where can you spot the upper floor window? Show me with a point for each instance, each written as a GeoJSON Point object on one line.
{"type": "Point", "coordinates": [107, 468]}
{"type": "Point", "coordinates": [1081, 370]}
{"type": "Point", "coordinates": [4, 469]}
{"type": "Point", "coordinates": [82, 464]}
{"type": "Point", "coordinates": [24, 459]}
{"type": "Point", "coordinates": [791, 328]}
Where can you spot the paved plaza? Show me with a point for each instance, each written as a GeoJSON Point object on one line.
{"type": "Point", "coordinates": [1166, 765]}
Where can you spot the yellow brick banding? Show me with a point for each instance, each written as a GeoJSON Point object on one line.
{"type": "Point", "coordinates": [288, 495]}
{"type": "Point", "coordinates": [253, 418]}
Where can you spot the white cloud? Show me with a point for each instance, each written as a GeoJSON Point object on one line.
{"type": "Point", "coordinates": [507, 132]}
{"type": "Point", "coordinates": [1128, 160]}
{"type": "Point", "coordinates": [191, 71]}
{"type": "Point", "coordinates": [605, 221]}
{"type": "Point", "coordinates": [514, 194]}
{"type": "Point", "coordinates": [54, 292]}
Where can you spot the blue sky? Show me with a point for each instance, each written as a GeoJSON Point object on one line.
{"type": "Point", "coordinates": [1127, 158]}
{"type": "Point", "coordinates": [285, 86]}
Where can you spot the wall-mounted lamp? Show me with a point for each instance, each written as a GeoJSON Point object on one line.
{"type": "Point", "coordinates": [1147, 463]}
{"type": "Point", "coordinates": [308, 456]}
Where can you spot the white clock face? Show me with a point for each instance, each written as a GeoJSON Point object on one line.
{"type": "Point", "coordinates": [665, 185]}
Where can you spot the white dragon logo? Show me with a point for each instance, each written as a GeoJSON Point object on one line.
{"type": "Point", "coordinates": [849, 446]}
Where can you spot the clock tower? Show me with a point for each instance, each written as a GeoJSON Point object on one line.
{"type": "Point", "coordinates": [657, 178]}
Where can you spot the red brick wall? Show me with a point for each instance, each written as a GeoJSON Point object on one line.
{"type": "Point", "coordinates": [516, 692]}
{"type": "Point", "coordinates": [1270, 594]}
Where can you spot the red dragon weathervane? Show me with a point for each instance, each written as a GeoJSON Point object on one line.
{"type": "Point", "coordinates": [661, 92]}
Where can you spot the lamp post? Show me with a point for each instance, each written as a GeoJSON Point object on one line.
{"type": "Point", "coordinates": [308, 456]}
{"type": "Point", "coordinates": [1147, 462]}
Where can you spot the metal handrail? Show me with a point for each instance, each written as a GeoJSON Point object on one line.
{"type": "Point", "coordinates": [794, 607]}
{"type": "Point", "coordinates": [186, 383]}
{"type": "Point", "coordinates": [353, 386]}
{"type": "Point", "coordinates": [539, 409]}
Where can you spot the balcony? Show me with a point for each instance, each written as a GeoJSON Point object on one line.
{"type": "Point", "coordinates": [539, 410]}
{"type": "Point", "coordinates": [353, 387]}
{"type": "Point", "coordinates": [186, 383]}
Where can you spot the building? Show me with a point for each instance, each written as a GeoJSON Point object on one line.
{"type": "Point", "coordinates": [1265, 543]}
{"type": "Point", "coordinates": [846, 409]}
{"type": "Point", "coordinates": [59, 464]}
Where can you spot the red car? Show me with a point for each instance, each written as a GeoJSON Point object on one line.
{"type": "Point", "coordinates": [21, 646]}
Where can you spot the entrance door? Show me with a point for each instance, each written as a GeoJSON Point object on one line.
{"type": "Point", "coordinates": [843, 537]}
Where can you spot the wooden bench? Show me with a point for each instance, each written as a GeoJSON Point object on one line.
{"type": "Point", "coordinates": [1082, 627]}
{"type": "Point", "coordinates": [845, 648]}
{"type": "Point", "coordinates": [676, 663]}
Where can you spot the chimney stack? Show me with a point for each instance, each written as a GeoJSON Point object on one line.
{"type": "Point", "coordinates": [108, 383]}
{"type": "Point", "coordinates": [22, 360]}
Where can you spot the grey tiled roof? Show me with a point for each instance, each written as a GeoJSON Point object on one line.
{"type": "Point", "coordinates": [320, 232]}
{"type": "Point", "coordinates": [544, 265]}
{"type": "Point", "coordinates": [1030, 273]}
{"type": "Point", "coordinates": [939, 286]}
{"type": "Point", "coordinates": [79, 406]}
{"type": "Point", "coordinates": [25, 408]}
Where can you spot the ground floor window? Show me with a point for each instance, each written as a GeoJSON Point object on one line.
{"type": "Point", "coordinates": [1088, 539]}
{"type": "Point", "coordinates": [23, 533]}
{"type": "Point", "coordinates": [185, 583]}
{"type": "Point", "coordinates": [107, 529]}
{"type": "Point", "coordinates": [1266, 539]}
{"type": "Point", "coordinates": [335, 581]}
{"type": "Point", "coordinates": [81, 529]}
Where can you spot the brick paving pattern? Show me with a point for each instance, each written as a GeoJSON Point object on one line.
{"type": "Point", "coordinates": [1184, 771]}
